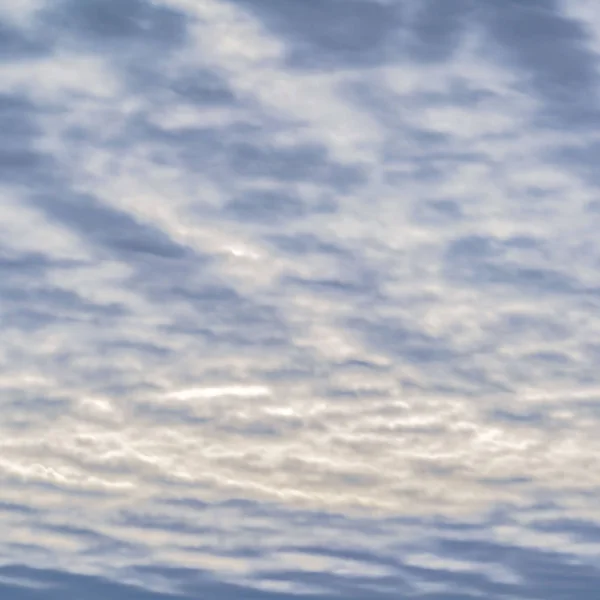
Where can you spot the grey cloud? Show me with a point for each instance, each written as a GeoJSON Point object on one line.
{"type": "Point", "coordinates": [111, 229]}
{"type": "Point", "coordinates": [402, 341]}
{"type": "Point", "coordinates": [245, 150]}
{"type": "Point", "coordinates": [486, 261]}
{"type": "Point", "coordinates": [16, 508]}
{"type": "Point", "coordinates": [553, 51]}
{"type": "Point", "coordinates": [57, 584]}
{"type": "Point", "coordinates": [349, 33]}
{"type": "Point", "coordinates": [352, 277]}
{"type": "Point", "coordinates": [355, 586]}
{"type": "Point", "coordinates": [172, 415]}
{"type": "Point", "coordinates": [20, 161]}
{"type": "Point", "coordinates": [303, 244]}
{"type": "Point", "coordinates": [148, 522]}
{"type": "Point", "coordinates": [203, 87]}
{"type": "Point", "coordinates": [117, 22]}
{"type": "Point", "coordinates": [346, 288]}
{"type": "Point", "coordinates": [267, 206]}
{"type": "Point", "coordinates": [545, 574]}
{"type": "Point", "coordinates": [438, 212]}
{"type": "Point", "coordinates": [57, 302]}
{"type": "Point", "coordinates": [293, 164]}
{"type": "Point", "coordinates": [223, 306]}
{"type": "Point", "coordinates": [538, 327]}
{"type": "Point", "coordinates": [15, 44]}
{"type": "Point", "coordinates": [27, 264]}
{"type": "Point", "coordinates": [437, 28]}
{"type": "Point", "coordinates": [582, 159]}
{"type": "Point", "coordinates": [532, 566]}
{"type": "Point", "coordinates": [44, 408]}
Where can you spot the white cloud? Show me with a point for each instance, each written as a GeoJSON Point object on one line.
{"type": "Point", "coordinates": [23, 13]}
{"type": "Point", "coordinates": [239, 391]}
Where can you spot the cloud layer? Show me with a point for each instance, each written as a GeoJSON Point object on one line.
{"type": "Point", "coordinates": [299, 297]}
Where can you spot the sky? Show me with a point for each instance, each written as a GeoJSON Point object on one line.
{"type": "Point", "coordinates": [299, 299]}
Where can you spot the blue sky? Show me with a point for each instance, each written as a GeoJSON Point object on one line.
{"type": "Point", "coordinates": [299, 299]}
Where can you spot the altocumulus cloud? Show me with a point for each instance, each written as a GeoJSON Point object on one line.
{"type": "Point", "coordinates": [299, 299]}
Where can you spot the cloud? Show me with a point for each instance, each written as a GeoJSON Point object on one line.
{"type": "Point", "coordinates": [336, 34]}
{"type": "Point", "coordinates": [553, 51]}
{"type": "Point", "coordinates": [298, 298]}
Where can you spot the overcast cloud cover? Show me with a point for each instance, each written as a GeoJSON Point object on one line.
{"type": "Point", "coordinates": [299, 297]}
